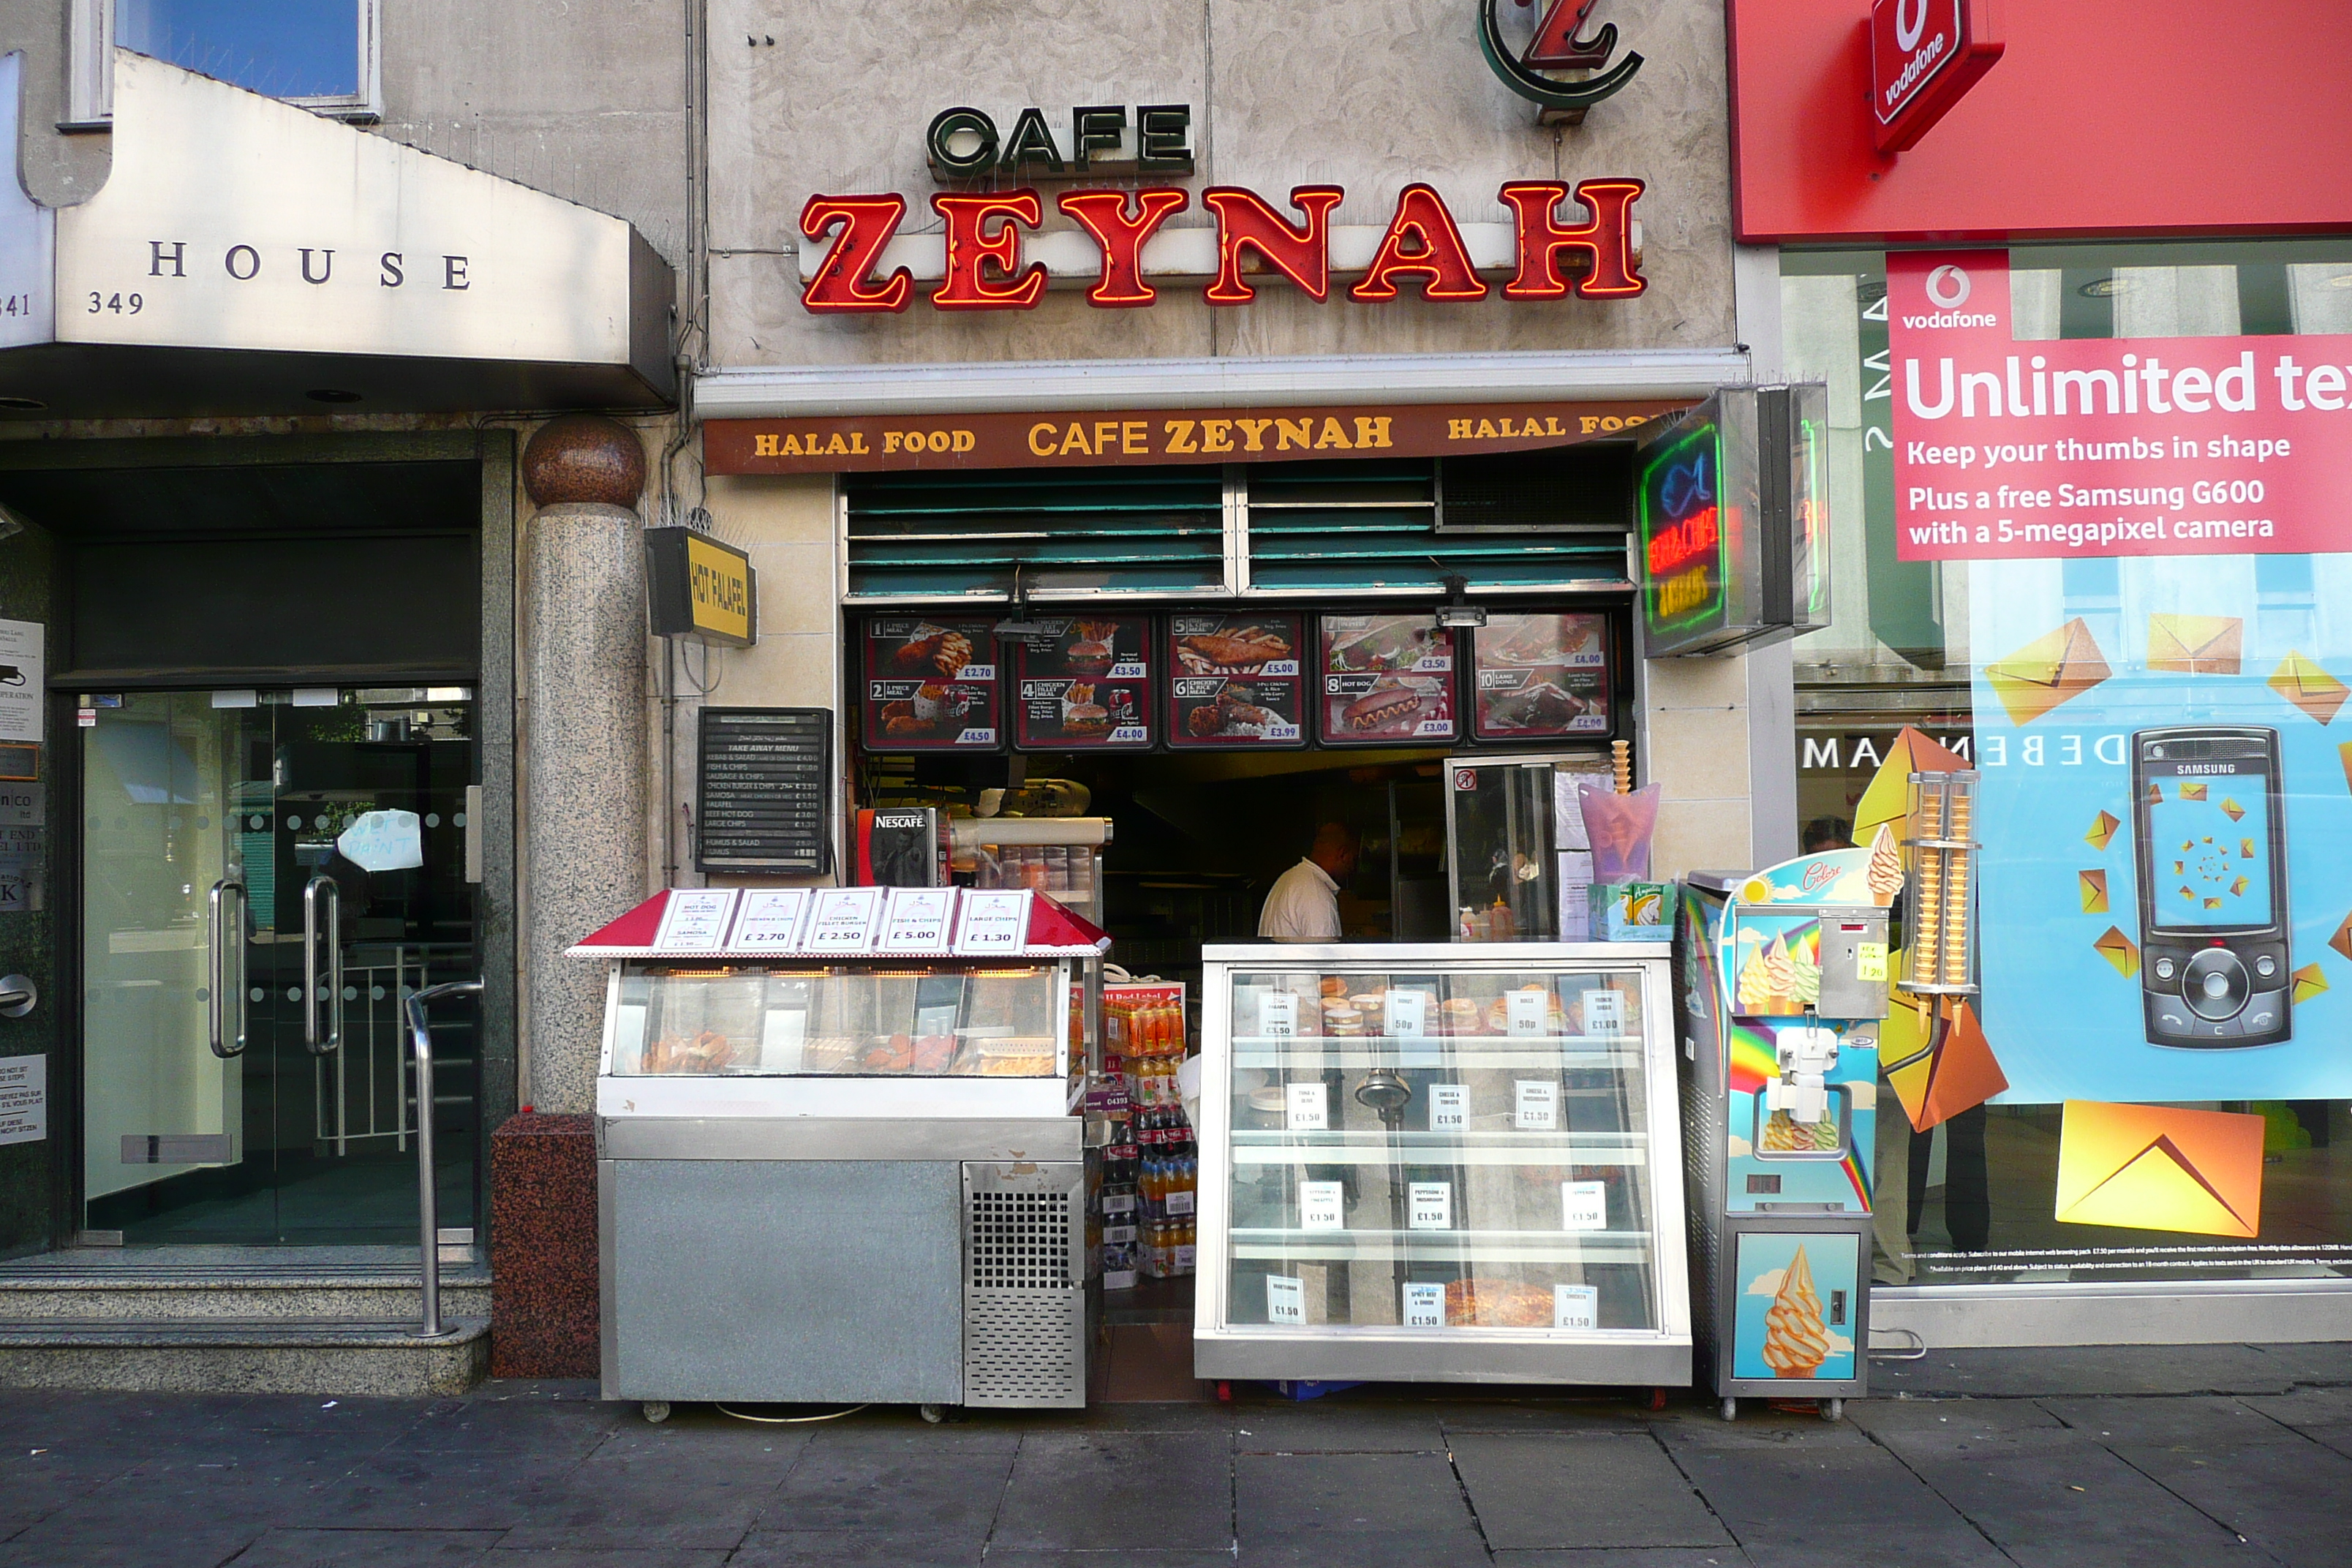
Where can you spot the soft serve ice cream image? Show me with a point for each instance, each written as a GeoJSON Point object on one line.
{"type": "Point", "coordinates": [1796, 1340]}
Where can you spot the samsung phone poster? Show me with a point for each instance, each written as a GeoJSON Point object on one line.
{"type": "Point", "coordinates": [2161, 681]}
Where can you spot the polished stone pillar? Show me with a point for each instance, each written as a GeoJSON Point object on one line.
{"type": "Point", "coordinates": [582, 678]}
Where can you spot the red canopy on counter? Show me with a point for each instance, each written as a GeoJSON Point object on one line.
{"type": "Point", "coordinates": [723, 925]}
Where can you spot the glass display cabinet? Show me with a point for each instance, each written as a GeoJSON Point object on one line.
{"type": "Point", "coordinates": [1442, 1163]}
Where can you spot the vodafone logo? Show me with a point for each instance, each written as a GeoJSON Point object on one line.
{"type": "Point", "coordinates": [1908, 26]}
{"type": "Point", "coordinates": [1948, 286]}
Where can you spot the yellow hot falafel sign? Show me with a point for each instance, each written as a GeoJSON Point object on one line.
{"type": "Point", "coordinates": [702, 588]}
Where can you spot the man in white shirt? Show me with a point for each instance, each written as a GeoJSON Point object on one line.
{"type": "Point", "coordinates": [1304, 903]}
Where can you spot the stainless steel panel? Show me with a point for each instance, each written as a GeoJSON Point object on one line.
{"type": "Point", "coordinates": [784, 1280]}
{"type": "Point", "coordinates": [1051, 1138]}
{"type": "Point", "coordinates": [1024, 1279]}
{"type": "Point", "coordinates": [1482, 1357]}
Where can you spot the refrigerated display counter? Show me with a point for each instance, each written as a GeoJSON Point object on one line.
{"type": "Point", "coordinates": [839, 1141]}
{"type": "Point", "coordinates": [1441, 1163]}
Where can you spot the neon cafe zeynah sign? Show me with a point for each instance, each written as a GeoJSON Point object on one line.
{"type": "Point", "coordinates": [984, 259]}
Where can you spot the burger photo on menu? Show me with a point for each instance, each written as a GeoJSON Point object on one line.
{"type": "Point", "coordinates": [1385, 679]}
{"type": "Point", "coordinates": [931, 684]}
{"type": "Point", "coordinates": [1533, 675]}
{"type": "Point", "coordinates": [1234, 680]}
{"type": "Point", "coordinates": [1084, 683]}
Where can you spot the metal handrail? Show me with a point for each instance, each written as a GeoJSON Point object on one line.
{"type": "Point", "coordinates": [429, 1207]}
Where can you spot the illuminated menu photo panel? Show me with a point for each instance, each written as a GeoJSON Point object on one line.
{"type": "Point", "coordinates": [1235, 682]}
{"type": "Point", "coordinates": [931, 684]}
{"type": "Point", "coordinates": [1084, 683]}
{"type": "Point", "coordinates": [1536, 677]}
{"type": "Point", "coordinates": [1384, 680]}
{"type": "Point", "coordinates": [1732, 513]}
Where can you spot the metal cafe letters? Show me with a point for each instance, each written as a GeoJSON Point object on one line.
{"type": "Point", "coordinates": [1423, 248]}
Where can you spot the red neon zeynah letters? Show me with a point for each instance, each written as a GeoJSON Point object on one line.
{"type": "Point", "coordinates": [983, 246]}
{"type": "Point", "coordinates": [840, 282]}
{"type": "Point", "coordinates": [1607, 237]}
{"type": "Point", "coordinates": [1245, 221]}
{"type": "Point", "coordinates": [1438, 257]}
{"type": "Point", "coordinates": [1104, 214]}
{"type": "Point", "coordinates": [971, 247]}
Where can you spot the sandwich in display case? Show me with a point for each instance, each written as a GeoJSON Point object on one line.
{"type": "Point", "coordinates": [1439, 1162]}
{"type": "Point", "coordinates": [839, 1140]}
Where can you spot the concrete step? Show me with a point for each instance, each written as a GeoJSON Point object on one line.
{"type": "Point", "coordinates": [243, 1356]}
{"type": "Point", "coordinates": [356, 1296]}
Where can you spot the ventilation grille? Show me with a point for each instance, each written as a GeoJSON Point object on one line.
{"type": "Point", "coordinates": [1126, 530]}
{"type": "Point", "coordinates": [1021, 1347]}
{"type": "Point", "coordinates": [1020, 1241]}
{"type": "Point", "coordinates": [1025, 1297]}
{"type": "Point", "coordinates": [1370, 527]}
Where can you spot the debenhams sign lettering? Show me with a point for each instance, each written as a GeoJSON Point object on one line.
{"type": "Point", "coordinates": [230, 220]}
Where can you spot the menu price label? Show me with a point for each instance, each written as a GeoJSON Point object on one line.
{"type": "Point", "coordinates": [842, 920]}
{"type": "Point", "coordinates": [695, 920]}
{"type": "Point", "coordinates": [770, 920]}
{"type": "Point", "coordinates": [1536, 676]}
{"type": "Point", "coordinates": [763, 790]}
{"type": "Point", "coordinates": [1286, 1299]}
{"type": "Point", "coordinates": [931, 685]}
{"type": "Point", "coordinates": [1407, 1014]}
{"type": "Point", "coordinates": [1277, 1015]}
{"type": "Point", "coordinates": [1526, 1012]}
{"type": "Point", "coordinates": [1383, 679]}
{"type": "Point", "coordinates": [1449, 1107]}
{"type": "Point", "coordinates": [1305, 1108]}
{"type": "Point", "coordinates": [1429, 1206]}
{"type": "Point", "coordinates": [1425, 1305]}
{"type": "Point", "coordinates": [1320, 1206]}
{"type": "Point", "coordinates": [1537, 1102]}
{"type": "Point", "coordinates": [916, 920]}
{"type": "Point", "coordinates": [1575, 1306]}
{"type": "Point", "coordinates": [1584, 1205]}
{"type": "Point", "coordinates": [993, 920]}
{"type": "Point", "coordinates": [1604, 1013]}
{"type": "Point", "coordinates": [1084, 685]}
{"type": "Point", "coordinates": [1234, 681]}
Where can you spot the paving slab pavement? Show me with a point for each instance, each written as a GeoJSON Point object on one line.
{"type": "Point", "coordinates": [2101, 1458]}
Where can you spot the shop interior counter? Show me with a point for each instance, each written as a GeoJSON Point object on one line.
{"type": "Point", "coordinates": [840, 1147]}
{"type": "Point", "coordinates": [1441, 1163]}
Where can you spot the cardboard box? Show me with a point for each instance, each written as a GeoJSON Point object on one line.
{"type": "Point", "coordinates": [1632, 912]}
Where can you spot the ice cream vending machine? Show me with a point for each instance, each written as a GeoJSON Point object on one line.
{"type": "Point", "coordinates": [1781, 982]}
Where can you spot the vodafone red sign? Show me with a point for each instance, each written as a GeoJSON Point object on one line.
{"type": "Point", "coordinates": [1924, 56]}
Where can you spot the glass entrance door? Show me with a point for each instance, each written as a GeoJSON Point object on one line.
{"type": "Point", "coordinates": [266, 876]}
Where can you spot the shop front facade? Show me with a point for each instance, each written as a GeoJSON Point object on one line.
{"type": "Point", "coordinates": [1191, 329]}
{"type": "Point", "coordinates": [2118, 609]}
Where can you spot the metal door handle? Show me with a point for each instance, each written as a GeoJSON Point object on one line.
{"type": "Point", "coordinates": [319, 891]}
{"type": "Point", "coordinates": [224, 931]}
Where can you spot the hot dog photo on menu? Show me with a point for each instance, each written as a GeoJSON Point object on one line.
{"type": "Point", "coordinates": [1383, 679]}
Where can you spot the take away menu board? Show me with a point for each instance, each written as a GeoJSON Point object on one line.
{"type": "Point", "coordinates": [1084, 685]}
{"type": "Point", "coordinates": [931, 685]}
{"type": "Point", "coordinates": [1386, 680]}
{"type": "Point", "coordinates": [1540, 677]}
{"type": "Point", "coordinates": [1234, 681]}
